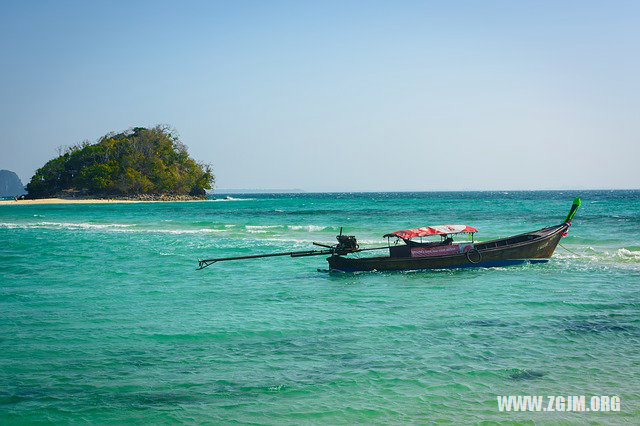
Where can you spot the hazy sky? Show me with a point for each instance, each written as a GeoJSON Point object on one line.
{"type": "Point", "coordinates": [345, 95]}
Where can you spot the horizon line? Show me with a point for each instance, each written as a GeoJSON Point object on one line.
{"type": "Point", "coordinates": [294, 191]}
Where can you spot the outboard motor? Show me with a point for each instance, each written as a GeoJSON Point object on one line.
{"type": "Point", "coordinates": [346, 243]}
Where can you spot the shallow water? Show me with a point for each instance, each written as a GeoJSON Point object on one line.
{"type": "Point", "coordinates": [103, 317]}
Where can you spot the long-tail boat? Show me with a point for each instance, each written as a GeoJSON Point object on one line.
{"type": "Point", "coordinates": [413, 254]}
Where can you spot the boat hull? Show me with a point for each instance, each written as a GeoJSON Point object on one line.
{"type": "Point", "coordinates": [533, 247]}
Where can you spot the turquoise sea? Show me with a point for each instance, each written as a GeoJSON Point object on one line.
{"type": "Point", "coordinates": [104, 319]}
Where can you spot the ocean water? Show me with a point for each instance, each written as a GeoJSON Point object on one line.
{"type": "Point", "coordinates": [104, 319]}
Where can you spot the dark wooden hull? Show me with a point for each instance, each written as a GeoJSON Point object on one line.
{"type": "Point", "coordinates": [536, 246]}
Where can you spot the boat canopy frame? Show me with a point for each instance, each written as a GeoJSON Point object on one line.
{"type": "Point", "coordinates": [425, 231]}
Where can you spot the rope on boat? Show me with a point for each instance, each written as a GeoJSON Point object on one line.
{"type": "Point", "coordinates": [572, 252]}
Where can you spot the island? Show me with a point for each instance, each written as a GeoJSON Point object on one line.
{"type": "Point", "coordinates": [139, 164]}
{"type": "Point", "coordinates": [10, 184]}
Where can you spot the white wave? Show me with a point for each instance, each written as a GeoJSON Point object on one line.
{"type": "Point", "coordinates": [10, 225]}
{"type": "Point", "coordinates": [260, 227]}
{"type": "Point", "coordinates": [106, 227]}
{"type": "Point", "coordinates": [232, 199]}
{"type": "Point", "coordinates": [625, 254]}
{"type": "Point", "coordinates": [85, 225]}
{"type": "Point", "coordinates": [279, 240]}
{"type": "Point", "coordinates": [310, 228]}
{"type": "Point", "coordinates": [376, 242]}
{"type": "Point", "coordinates": [180, 231]}
{"type": "Point", "coordinates": [602, 255]}
{"type": "Point", "coordinates": [66, 225]}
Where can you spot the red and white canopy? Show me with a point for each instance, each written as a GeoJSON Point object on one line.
{"type": "Point", "coordinates": [432, 230]}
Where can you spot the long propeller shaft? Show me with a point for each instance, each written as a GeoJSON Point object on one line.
{"type": "Point", "coordinates": [208, 262]}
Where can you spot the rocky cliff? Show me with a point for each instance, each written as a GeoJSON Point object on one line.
{"type": "Point", "coordinates": [10, 184]}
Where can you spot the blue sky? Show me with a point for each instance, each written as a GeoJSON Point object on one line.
{"type": "Point", "coordinates": [347, 95]}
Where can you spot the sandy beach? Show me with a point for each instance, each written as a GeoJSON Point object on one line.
{"type": "Point", "coordinates": [85, 201]}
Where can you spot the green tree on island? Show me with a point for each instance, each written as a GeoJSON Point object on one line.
{"type": "Point", "coordinates": [137, 161]}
